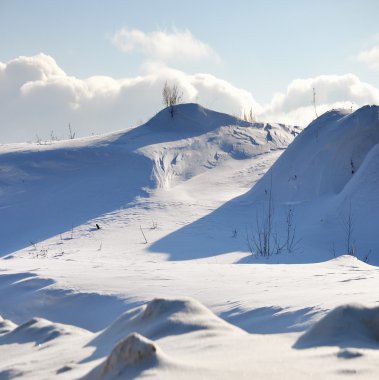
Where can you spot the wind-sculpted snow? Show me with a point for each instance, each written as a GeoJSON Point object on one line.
{"type": "Point", "coordinates": [194, 344]}
{"type": "Point", "coordinates": [133, 351]}
{"type": "Point", "coordinates": [122, 348]}
{"type": "Point", "coordinates": [39, 331]}
{"type": "Point", "coordinates": [177, 318]}
{"type": "Point", "coordinates": [163, 317]}
{"type": "Point", "coordinates": [350, 325]}
{"type": "Point", "coordinates": [6, 326]}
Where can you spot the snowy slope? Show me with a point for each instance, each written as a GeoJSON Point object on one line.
{"type": "Point", "coordinates": [325, 157]}
{"type": "Point", "coordinates": [78, 302]}
{"type": "Point", "coordinates": [328, 175]}
{"type": "Point", "coordinates": [81, 180]}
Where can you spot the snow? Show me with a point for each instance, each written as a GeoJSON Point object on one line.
{"type": "Point", "coordinates": [330, 171]}
{"type": "Point", "coordinates": [326, 156]}
{"type": "Point", "coordinates": [191, 301]}
{"type": "Point", "coordinates": [350, 325]}
{"type": "Point", "coordinates": [132, 351]}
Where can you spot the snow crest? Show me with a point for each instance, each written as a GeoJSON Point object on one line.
{"type": "Point", "coordinates": [162, 317]}
{"type": "Point", "coordinates": [134, 350]}
{"type": "Point", "coordinates": [324, 157]}
{"type": "Point", "coordinates": [350, 325]}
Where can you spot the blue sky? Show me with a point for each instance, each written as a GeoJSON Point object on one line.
{"type": "Point", "coordinates": [261, 47]}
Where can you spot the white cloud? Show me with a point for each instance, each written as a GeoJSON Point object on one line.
{"type": "Point", "coordinates": [37, 97]}
{"type": "Point", "coordinates": [332, 91]}
{"type": "Point", "coordinates": [172, 45]}
{"type": "Point", "coordinates": [40, 98]}
{"type": "Point", "coordinates": [370, 57]}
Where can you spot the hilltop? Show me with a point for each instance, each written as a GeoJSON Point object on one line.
{"type": "Point", "coordinates": [68, 183]}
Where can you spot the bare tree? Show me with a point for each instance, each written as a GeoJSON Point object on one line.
{"type": "Point", "coordinates": [262, 241]}
{"type": "Point", "coordinates": [348, 228]}
{"type": "Point", "coordinates": [143, 234]}
{"type": "Point", "coordinates": [172, 96]}
{"type": "Point", "coordinates": [265, 239]}
{"type": "Point", "coordinates": [248, 115]}
{"type": "Point", "coordinates": [291, 241]}
{"type": "Point", "coordinates": [314, 101]}
{"type": "Point", "coordinates": [71, 134]}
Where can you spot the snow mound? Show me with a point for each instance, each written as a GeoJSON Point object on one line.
{"type": "Point", "coordinates": [191, 120]}
{"type": "Point", "coordinates": [6, 326]}
{"type": "Point", "coordinates": [179, 318]}
{"type": "Point", "coordinates": [40, 331]}
{"type": "Point", "coordinates": [193, 117]}
{"type": "Point", "coordinates": [164, 317]}
{"type": "Point", "coordinates": [350, 325]}
{"type": "Point", "coordinates": [134, 350]}
{"type": "Point", "coordinates": [324, 157]}
{"type": "Point", "coordinates": [197, 139]}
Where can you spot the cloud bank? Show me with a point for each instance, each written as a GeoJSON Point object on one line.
{"type": "Point", "coordinates": [38, 97]}
{"type": "Point", "coordinates": [295, 106]}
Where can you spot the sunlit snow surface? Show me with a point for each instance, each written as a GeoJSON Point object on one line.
{"type": "Point", "coordinates": [167, 287]}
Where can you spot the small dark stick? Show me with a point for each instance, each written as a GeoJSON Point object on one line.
{"type": "Point", "coordinates": [97, 226]}
{"type": "Point", "coordinates": [140, 227]}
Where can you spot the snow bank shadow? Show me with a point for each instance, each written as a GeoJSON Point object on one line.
{"type": "Point", "coordinates": [221, 231]}
{"type": "Point", "coordinates": [9, 374]}
{"type": "Point", "coordinates": [350, 325]}
{"type": "Point", "coordinates": [270, 320]}
{"type": "Point", "coordinates": [30, 296]}
{"type": "Point", "coordinates": [47, 193]}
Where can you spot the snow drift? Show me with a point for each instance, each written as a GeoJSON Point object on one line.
{"type": "Point", "coordinates": [39, 331]}
{"type": "Point", "coordinates": [162, 317]}
{"type": "Point", "coordinates": [350, 325]}
{"type": "Point", "coordinates": [325, 157]}
{"type": "Point", "coordinates": [133, 351]}
{"type": "Point", "coordinates": [6, 326]}
{"type": "Point", "coordinates": [194, 344]}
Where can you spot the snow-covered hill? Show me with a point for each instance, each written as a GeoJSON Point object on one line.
{"type": "Point", "coordinates": [325, 157]}
{"type": "Point", "coordinates": [163, 289]}
{"type": "Point", "coordinates": [330, 176]}
{"type": "Point", "coordinates": [49, 189]}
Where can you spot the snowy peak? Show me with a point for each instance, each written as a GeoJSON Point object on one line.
{"type": "Point", "coordinates": [39, 331]}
